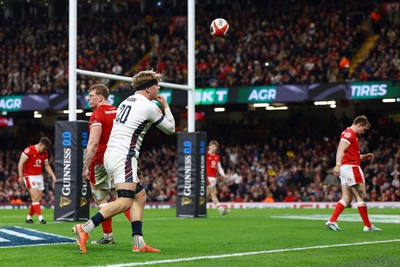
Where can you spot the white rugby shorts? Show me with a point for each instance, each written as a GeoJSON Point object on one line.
{"type": "Point", "coordinates": [121, 169]}
{"type": "Point", "coordinates": [212, 181]}
{"type": "Point", "coordinates": [351, 175]}
{"type": "Point", "coordinates": [34, 181]}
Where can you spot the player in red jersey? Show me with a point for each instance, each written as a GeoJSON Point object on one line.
{"type": "Point", "coordinates": [213, 163]}
{"type": "Point", "coordinates": [30, 172]}
{"type": "Point", "coordinates": [100, 125]}
{"type": "Point", "coordinates": [348, 169]}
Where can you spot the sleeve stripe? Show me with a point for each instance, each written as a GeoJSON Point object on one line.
{"type": "Point", "coordinates": [345, 140]}
{"type": "Point", "coordinates": [95, 124]}
{"type": "Point", "coordinates": [159, 121]}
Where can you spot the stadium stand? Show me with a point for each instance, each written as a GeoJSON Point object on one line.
{"type": "Point", "coordinates": [302, 43]}
{"type": "Point", "coordinates": [274, 164]}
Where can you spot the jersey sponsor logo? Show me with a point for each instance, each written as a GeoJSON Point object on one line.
{"type": "Point", "coordinates": [213, 164]}
{"type": "Point", "coordinates": [13, 236]}
{"type": "Point", "coordinates": [110, 111]}
{"type": "Point", "coordinates": [347, 135]}
{"type": "Point", "coordinates": [38, 163]}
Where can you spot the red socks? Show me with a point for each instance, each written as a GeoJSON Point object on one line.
{"type": "Point", "coordinates": [362, 209]}
{"type": "Point", "coordinates": [128, 214]}
{"type": "Point", "coordinates": [337, 211]}
{"type": "Point", "coordinates": [107, 228]}
{"type": "Point", "coordinates": [36, 209]}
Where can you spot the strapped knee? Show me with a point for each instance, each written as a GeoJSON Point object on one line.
{"type": "Point", "coordinates": [123, 193]}
{"type": "Point", "coordinates": [139, 187]}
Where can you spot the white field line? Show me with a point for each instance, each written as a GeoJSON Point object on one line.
{"type": "Point", "coordinates": [376, 218]}
{"type": "Point", "coordinates": [247, 253]}
{"type": "Point", "coordinates": [11, 232]}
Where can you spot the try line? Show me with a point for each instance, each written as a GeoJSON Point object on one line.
{"type": "Point", "coordinates": [247, 253]}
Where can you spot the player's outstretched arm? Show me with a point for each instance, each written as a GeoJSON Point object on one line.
{"type": "Point", "coordinates": [367, 156]}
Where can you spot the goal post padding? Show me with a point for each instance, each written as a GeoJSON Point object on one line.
{"type": "Point", "coordinates": [191, 185]}
{"type": "Point", "coordinates": [72, 193]}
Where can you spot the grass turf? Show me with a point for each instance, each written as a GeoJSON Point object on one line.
{"type": "Point", "coordinates": [245, 237]}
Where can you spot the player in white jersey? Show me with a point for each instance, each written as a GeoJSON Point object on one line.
{"type": "Point", "coordinates": [135, 115]}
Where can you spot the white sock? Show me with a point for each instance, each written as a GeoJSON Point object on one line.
{"type": "Point", "coordinates": [138, 241]}
{"type": "Point", "coordinates": [88, 226]}
{"type": "Point", "coordinates": [108, 235]}
{"type": "Point", "coordinates": [40, 217]}
{"type": "Point", "coordinates": [29, 217]}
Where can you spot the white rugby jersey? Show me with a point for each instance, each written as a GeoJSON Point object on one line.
{"type": "Point", "coordinates": [134, 117]}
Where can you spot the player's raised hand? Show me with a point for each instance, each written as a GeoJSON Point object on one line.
{"type": "Point", "coordinates": [162, 101]}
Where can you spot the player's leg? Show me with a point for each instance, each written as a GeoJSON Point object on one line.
{"type": "Point", "coordinates": [360, 194]}
{"type": "Point", "coordinates": [136, 215]}
{"type": "Point", "coordinates": [35, 187]}
{"type": "Point", "coordinates": [101, 185]}
{"type": "Point", "coordinates": [212, 188]}
{"type": "Point", "coordinates": [125, 196]}
{"type": "Point", "coordinates": [113, 195]}
{"type": "Point", "coordinates": [30, 214]}
{"type": "Point", "coordinates": [213, 193]}
{"type": "Point", "coordinates": [125, 186]}
{"type": "Point", "coordinates": [340, 206]}
{"type": "Point", "coordinates": [35, 205]}
{"type": "Point", "coordinates": [100, 196]}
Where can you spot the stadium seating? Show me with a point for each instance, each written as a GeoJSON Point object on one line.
{"type": "Point", "coordinates": [273, 163]}
{"type": "Point", "coordinates": [301, 43]}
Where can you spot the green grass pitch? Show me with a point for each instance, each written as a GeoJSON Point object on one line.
{"type": "Point", "coordinates": [245, 237]}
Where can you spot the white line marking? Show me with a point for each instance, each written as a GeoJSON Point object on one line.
{"type": "Point", "coordinates": [11, 232]}
{"type": "Point", "coordinates": [45, 233]}
{"type": "Point", "coordinates": [2, 240]}
{"type": "Point", "coordinates": [248, 253]}
{"type": "Point", "coordinates": [376, 218]}
{"type": "Point", "coordinates": [35, 245]}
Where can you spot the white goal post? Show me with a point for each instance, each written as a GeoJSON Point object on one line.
{"type": "Point", "coordinates": [73, 71]}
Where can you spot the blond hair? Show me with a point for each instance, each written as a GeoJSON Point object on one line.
{"type": "Point", "coordinates": [144, 77]}
{"type": "Point", "coordinates": [213, 142]}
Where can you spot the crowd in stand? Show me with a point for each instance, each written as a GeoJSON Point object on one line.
{"type": "Point", "coordinates": [34, 52]}
{"type": "Point", "coordinates": [301, 43]}
{"type": "Point", "coordinates": [382, 63]}
{"type": "Point", "coordinates": [273, 43]}
{"type": "Point", "coordinates": [294, 165]}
